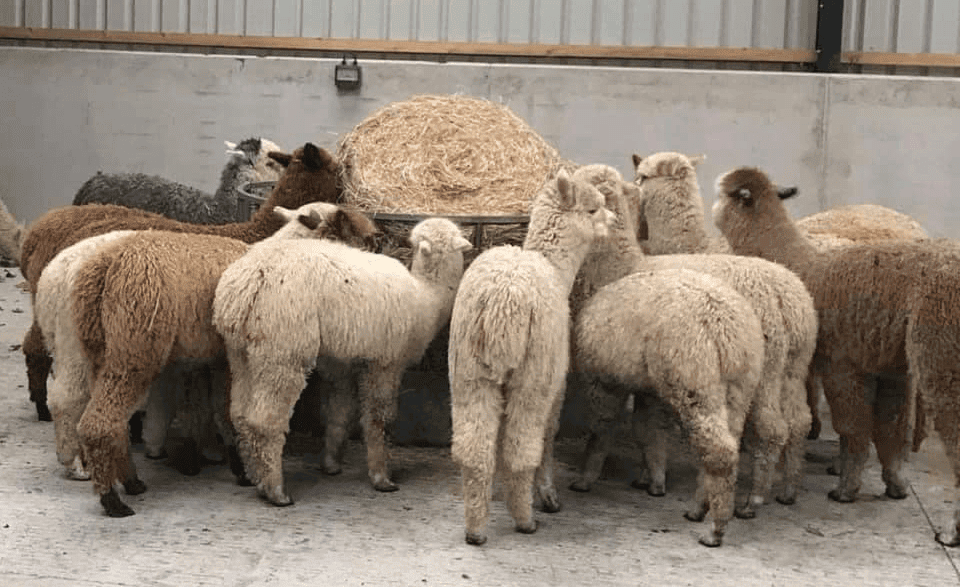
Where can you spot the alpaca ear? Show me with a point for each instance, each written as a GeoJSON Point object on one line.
{"type": "Point", "coordinates": [744, 196]}
{"type": "Point", "coordinates": [565, 189]}
{"type": "Point", "coordinates": [284, 214]}
{"type": "Point", "coordinates": [637, 159]}
{"type": "Point", "coordinates": [231, 146]}
{"type": "Point", "coordinates": [461, 244]}
{"type": "Point", "coordinates": [697, 159]}
{"type": "Point", "coordinates": [283, 159]}
{"type": "Point", "coordinates": [311, 221]}
{"type": "Point", "coordinates": [786, 192]}
{"type": "Point", "coordinates": [316, 158]}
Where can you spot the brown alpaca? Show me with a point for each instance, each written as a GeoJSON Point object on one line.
{"type": "Point", "coordinates": [889, 308]}
{"type": "Point", "coordinates": [310, 176]}
{"type": "Point", "coordinates": [146, 300]}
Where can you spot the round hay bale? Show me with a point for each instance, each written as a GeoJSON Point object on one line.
{"type": "Point", "coordinates": [445, 154]}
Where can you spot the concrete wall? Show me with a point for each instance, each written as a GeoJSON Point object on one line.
{"type": "Point", "coordinates": [842, 139]}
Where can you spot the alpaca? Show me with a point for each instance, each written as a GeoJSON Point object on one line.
{"type": "Point", "coordinates": [779, 419]}
{"type": "Point", "coordinates": [11, 237]}
{"type": "Point", "coordinates": [144, 301]}
{"type": "Point", "coordinates": [284, 304]}
{"type": "Point", "coordinates": [699, 344]}
{"type": "Point", "coordinates": [885, 308]}
{"type": "Point", "coordinates": [310, 176]}
{"type": "Point", "coordinates": [509, 354]}
{"type": "Point", "coordinates": [673, 218]}
{"type": "Point", "coordinates": [249, 162]}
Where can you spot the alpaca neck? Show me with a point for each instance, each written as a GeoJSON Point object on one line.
{"type": "Point", "coordinates": [565, 258]}
{"type": "Point", "coordinates": [779, 241]}
{"type": "Point", "coordinates": [679, 227]}
{"type": "Point", "coordinates": [235, 173]}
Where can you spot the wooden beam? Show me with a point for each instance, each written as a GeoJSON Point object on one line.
{"type": "Point", "coordinates": [413, 47]}
{"type": "Point", "coordinates": [913, 59]}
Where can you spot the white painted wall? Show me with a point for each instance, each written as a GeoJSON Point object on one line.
{"type": "Point", "coordinates": [842, 139]}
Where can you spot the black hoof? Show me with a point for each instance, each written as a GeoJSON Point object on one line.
{"type": "Point", "coordinates": [745, 513]}
{"type": "Point", "coordinates": [694, 517]}
{"type": "Point", "coordinates": [527, 529]}
{"type": "Point", "coordinates": [895, 492]}
{"type": "Point", "coordinates": [786, 500]}
{"type": "Point", "coordinates": [710, 542]}
{"type": "Point", "coordinates": [475, 539]}
{"type": "Point", "coordinates": [839, 497]}
{"type": "Point", "coordinates": [134, 486]}
{"type": "Point", "coordinates": [113, 506]}
{"type": "Point", "coordinates": [43, 412]}
{"type": "Point", "coordinates": [580, 487]}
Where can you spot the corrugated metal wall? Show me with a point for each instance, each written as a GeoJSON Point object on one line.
{"type": "Point", "coordinates": [701, 23]}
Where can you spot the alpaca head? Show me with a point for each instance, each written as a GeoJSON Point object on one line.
{"type": "Point", "coordinates": [438, 247]}
{"type": "Point", "coordinates": [745, 198]}
{"type": "Point", "coordinates": [310, 175]}
{"type": "Point", "coordinates": [252, 162]}
{"type": "Point", "coordinates": [266, 167]}
{"type": "Point", "coordinates": [620, 197]}
{"type": "Point", "coordinates": [324, 220]}
{"type": "Point", "coordinates": [666, 164]}
{"type": "Point", "coordinates": [569, 212]}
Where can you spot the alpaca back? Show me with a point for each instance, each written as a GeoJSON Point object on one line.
{"type": "Point", "coordinates": [530, 318]}
{"type": "Point", "coordinates": [345, 300]}
{"type": "Point", "coordinates": [52, 307]}
{"type": "Point", "coordinates": [149, 286]}
{"type": "Point", "coordinates": [675, 327]}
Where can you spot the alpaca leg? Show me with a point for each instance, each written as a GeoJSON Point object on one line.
{"type": "Point", "coordinates": [379, 387]}
{"type": "Point", "coordinates": [770, 436]}
{"type": "Point", "coordinates": [545, 474]}
{"type": "Point", "coordinates": [604, 406]}
{"type": "Point", "coordinates": [103, 430]}
{"type": "Point", "coordinates": [890, 424]}
{"type": "Point", "coordinates": [38, 363]}
{"type": "Point", "coordinates": [339, 413]}
{"type": "Point", "coordinates": [798, 420]}
{"type": "Point", "coordinates": [519, 488]}
{"type": "Point", "coordinates": [476, 408]}
{"type": "Point", "coordinates": [651, 427]}
{"type": "Point", "coordinates": [69, 394]}
{"type": "Point", "coordinates": [947, 424]}
{"type": "Point", "coordinates": [852, 413]}
{"type": "Point", "coordinates": [159, 414]}
{"type": "Point", "coordinates": [812, 385]}
{"type": "Point", "coordinates": [266, 390]}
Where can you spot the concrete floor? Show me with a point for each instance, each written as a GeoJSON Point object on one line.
{"type": "Point", "coordinates": [205, 530]}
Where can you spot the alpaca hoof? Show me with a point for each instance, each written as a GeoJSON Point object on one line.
{"type": "Point", "coordinates": [656, 489]}
{"type": "Point", "coordinates": [134, 486]}
{"type": "Point", "coordinates": [787, 499]}
{"type": "Point", "coordinates": [745, 513]}
{"type": "Point", "coordinates": [895, 491]}
{"type": "Point", "coordinates": [550, 501]}
{"type": "Point", "coordinates": [43, 412]}
{"type": "Point", "coordinates": [236, 467]}
{"type": "Point", "coordinates": [841, 497]}
{"type": "Point", "coordinates": [332, 470]}
{"type": "Point", "coordinates": [528, 528]}
{"type": "Point", "coordinates": [155, 454]}
{"type": "Point", "coordinates": [948, 538]}
{"type": "Point", "coordinates": [76, 471]}
{"type": "Point", "coordinates": [695, 516]}
{"type": "Point", "coordinates": [385, 486]}
{"type": "Point", "coordinates": [276, 496]}
{"type": "Point", "coordinates": [580, 486]}
{"type": "Point", "coordinates": [638, 484]}
{"type": "Point", "coordinates": [113, 506]}
{"type": "Point", "coordinates": [711, 541]}
{"type": "Point", "coordinates": [475, 538]}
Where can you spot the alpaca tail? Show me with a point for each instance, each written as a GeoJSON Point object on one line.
{"type": "Point", "coordinates": [87, 295]}
{"type": "Point", "coordinates": [497, 336]}
{"type": "Point", "coordinates": [234, 302]}
{"type": "Point", "coordinates": [11, 235]}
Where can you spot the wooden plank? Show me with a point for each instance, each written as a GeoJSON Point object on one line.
{"type": "Point", "coordinates": [887, 58]}
{"type": "Point", "coordinates": [415, 47]}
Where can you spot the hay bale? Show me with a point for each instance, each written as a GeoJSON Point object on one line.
{"type": "Point", "coordinates": [445, 155]}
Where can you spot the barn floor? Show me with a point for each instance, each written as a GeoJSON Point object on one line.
{"type": "Point", "coordinates": [205, 530]}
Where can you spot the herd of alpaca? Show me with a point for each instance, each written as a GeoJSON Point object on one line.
{"type": "Point", "coordinates": [618, 288]}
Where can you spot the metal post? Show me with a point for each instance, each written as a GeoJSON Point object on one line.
{"type": "Point", "coordinates": [829, 35]}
